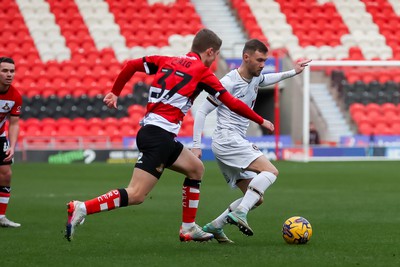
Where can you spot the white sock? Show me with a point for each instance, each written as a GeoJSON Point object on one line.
{"type": "Point", "coordinates": [187, 226]}
{"type": "Point", "coordinates": [220, 221]}
{"type": "Point", "coordinates": [260, 183]}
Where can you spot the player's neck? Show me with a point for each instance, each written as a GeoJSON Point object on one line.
{"type": "Point", "coordinates": [246, 76]}
{"type": "Point", "coordinates": [4, 88]}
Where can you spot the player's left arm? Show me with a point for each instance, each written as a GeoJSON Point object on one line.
{"type": "Point", "coordinates": [272, 78]}
{"type": "Point", "coordinates": [13, 131]}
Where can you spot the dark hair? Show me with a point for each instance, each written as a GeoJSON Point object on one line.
{"type": "Point", "coordinates": [253, 45]}
{"type": "Point", "coordinates": [7, 60]}
{"type": "Point", "coordinates": [205, 39]}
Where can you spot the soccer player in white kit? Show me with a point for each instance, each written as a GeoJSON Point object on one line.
{"type": "Point", "coordinates": [242, 164]}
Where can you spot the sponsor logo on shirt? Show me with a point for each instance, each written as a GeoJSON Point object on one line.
{"type": "Point", "coordinates": [6, 107]}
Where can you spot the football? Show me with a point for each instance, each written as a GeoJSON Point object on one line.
{"type": "Point", "coordinates": [296, 230]}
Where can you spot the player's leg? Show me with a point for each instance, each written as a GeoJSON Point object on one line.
{"type": "Point", "coordinates": [216, 226]}
{"type": "Point", "coordinates": [5, 186]}
{"type": "Point", "coordinates": [140, 185]}
{"type": "Point", "coordinates": [192, 167]}
{"type": "Point", "coordinates": [232, 175]}
{"type": "Point", "coordinates": [253, 192]}
{"type": "Point", "coordinates": [267, 174]}
{"type": "Point", "coordinates": [154, 144]}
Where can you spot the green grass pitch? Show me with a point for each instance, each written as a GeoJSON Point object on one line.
{"type": "Point", "coordinates": [354, 209]}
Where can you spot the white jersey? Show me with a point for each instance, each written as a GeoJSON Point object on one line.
{"type": "Point", "coordinates": [247, 92]}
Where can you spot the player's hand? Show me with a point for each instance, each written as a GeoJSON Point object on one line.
{"type": "Point", "coordinates": [268, 125]}
{"type": "Point", "coordinates": [110, 100]}
{"type": "Point", "coordinates": [10, 154]}
{"type": "Point", "coordinates": [197, 152]}
{"type": "Point", "coordinates": [301, 65]}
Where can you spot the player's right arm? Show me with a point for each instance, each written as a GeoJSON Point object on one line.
{"type": "Point", "coordinates": [206, 108]}
{"type": "Point", "coordinates": [147, 64]}
{"type": "Point", "coordinates": [130, 68]}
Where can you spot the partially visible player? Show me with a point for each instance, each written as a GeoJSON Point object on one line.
{"type": "Point", "coordinates": [177, 82]}
{"type": "Point", "coordinates": [241, 163]}
{"type": "Point", "coordinates": [10, 109]}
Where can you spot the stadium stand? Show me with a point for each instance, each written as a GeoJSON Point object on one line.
{"type": "Point", "coordinates": [68, 53]}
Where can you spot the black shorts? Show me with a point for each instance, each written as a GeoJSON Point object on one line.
{"type": "Point", "coordinates": [4, 146]}
{"type": "Point", "coordinates": [158, 149]}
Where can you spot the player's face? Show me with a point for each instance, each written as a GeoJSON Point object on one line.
{"type": "Point", "coordinates": [211, 55]}
{"type": "Point", "coordinates": [7, 72]}
{"type": "Point", "coordinates": [255, 62]}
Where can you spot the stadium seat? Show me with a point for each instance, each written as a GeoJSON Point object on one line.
{"type": "Point", "coordinates": [356, 107]}
{"type": "Point", "coordinates": [365, 129]}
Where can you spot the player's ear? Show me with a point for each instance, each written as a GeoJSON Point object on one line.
{"type": "Point", "coordinates": [246, 56]}
{"type": "Point", "coordinates": [210, 51]}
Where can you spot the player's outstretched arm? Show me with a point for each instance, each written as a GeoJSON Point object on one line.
{"type": "Point", "coordinates": [272, 78]}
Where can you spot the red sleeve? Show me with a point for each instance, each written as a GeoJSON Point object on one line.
{"type": "Point", "coordinates": [239, 107]}
{"type": "Point", "coordinates": [126, 74]}
{"type": "Point", "coordinates": [16, 110]}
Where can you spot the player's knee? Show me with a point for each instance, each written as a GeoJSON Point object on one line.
{"type": "Point", "coordinates": [5, 176]}
{"type": "Point", "coordinates": [270, 176]}
{"type": "Point", "coordinates": [275, 172]}
{"type": "Point", "coordinates": [271, 169]}
{"type": "Point", "coordinates": [197, 172]}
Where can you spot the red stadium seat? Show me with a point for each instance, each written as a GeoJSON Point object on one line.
{"type": "Point", "coordinates": [396, 128]}
{"type": "Point", "coordinates": [356, 107]}
{"type": "Point", "coordinates": [373, 107]}
{"type": "Point", "coordinates": [81, 129]}
{"type": "Point", "coordinates": [33, 130]}
{"type": "Point", "coordinates": [111, 130]}
{"type": "Point", "coordinates": [95, 121]}
{"type": "Point", "coordinates": [49, 130]}
{"type": "Point", "coordinates": [136, 110]}
{"type": "Point", "coordinates": [111, 121]}
{"type": "Point", "coordinates": [389, 107]}
{"type": "Point", "coordinates": [365, 128]}
{"type": "Point", "coordinates": [128, 130]}
{"type": "Point", "coordinates": [96, 130]}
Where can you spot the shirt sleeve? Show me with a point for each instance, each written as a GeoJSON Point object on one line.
{"type": "Point", "coordinates": [211, 84]}
{"type": "Point", "coordinates": [130, 68]}
{"type": "Point", "coordinates": [272, 78]}
{"type": "Point", "coordinates": [152, 63]}
{"type": "Point", "coordinates": [206, 108]}
{"type": "Point", "coordinates": [16, 109]}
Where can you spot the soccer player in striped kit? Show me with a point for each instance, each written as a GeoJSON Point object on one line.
{"type": "Point", "coordinates": [242, 164]}
{"type": "Point", "coordinates": [177, 82]}
{"type": "Point", "coordinates": [10, 108]}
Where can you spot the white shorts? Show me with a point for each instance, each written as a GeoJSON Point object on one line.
{"type": "Point", "coordinates": [234, 154]}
